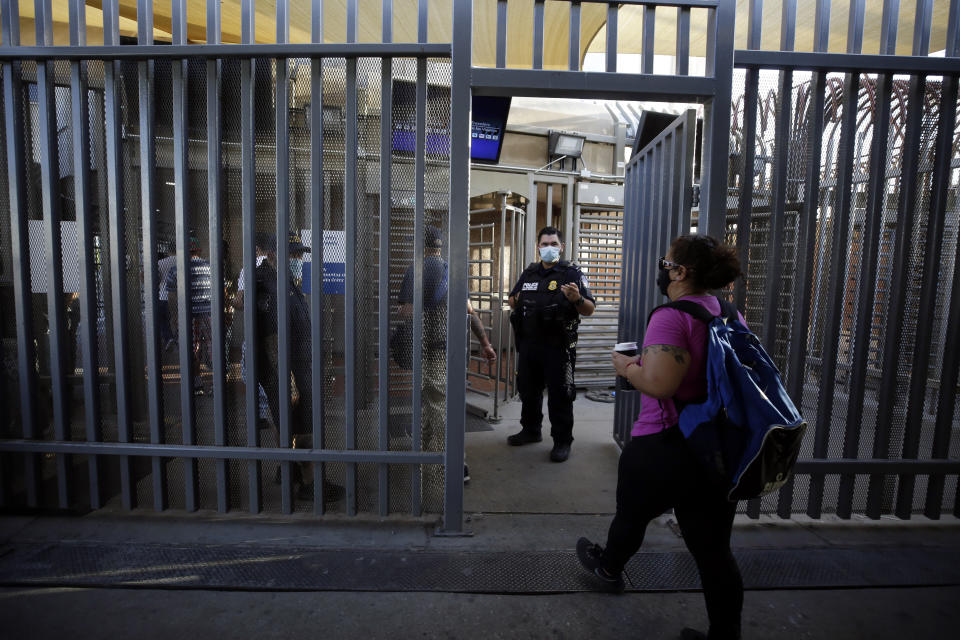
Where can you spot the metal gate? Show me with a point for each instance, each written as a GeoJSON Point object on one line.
{"type": "Point", "coordinates": [497, 258]}
{"type": "Point", "coordinates": [658, 193]}
{"type": "Point", "coordinates": [120, 153]}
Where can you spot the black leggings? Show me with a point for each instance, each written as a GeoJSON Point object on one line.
{"type": "Point", "coordinates": [657, 472]}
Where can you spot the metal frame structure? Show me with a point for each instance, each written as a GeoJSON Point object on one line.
{"type": "Point", "coordinates": [134, 240]}
{"type": "Point", "coordinates": [841, 206]}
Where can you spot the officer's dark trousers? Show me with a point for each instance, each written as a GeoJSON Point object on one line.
{"type": "Point", "coordinates": [543, 365]}
{"type": "Point", "coordinates": [657, 472]}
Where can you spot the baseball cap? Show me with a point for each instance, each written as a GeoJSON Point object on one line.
{"type": "Point", "coordinates": [296, 245]}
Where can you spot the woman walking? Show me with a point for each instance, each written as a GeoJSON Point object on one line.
{"type": "Point", "coordinates": [656, 470]}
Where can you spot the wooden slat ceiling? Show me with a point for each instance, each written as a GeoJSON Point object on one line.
{"type": "Point", "coordinates": [520, 26]}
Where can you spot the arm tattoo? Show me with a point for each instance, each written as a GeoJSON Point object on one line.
{"type": "Point", "coordinates": [476, 326]}
{"type": "Point", "coordinates": [680, 355]}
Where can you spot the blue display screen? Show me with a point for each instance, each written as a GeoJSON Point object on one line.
{"type": "Point", "coordinates": [489, 123]}
{"type": "Point", "coordinates": [486, 135]}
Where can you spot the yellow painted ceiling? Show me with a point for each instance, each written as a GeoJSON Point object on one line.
{"type": "Point", "coordinates": [519, 31]}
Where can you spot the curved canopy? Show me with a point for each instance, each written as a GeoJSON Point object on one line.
{"type": "Point", "coordinates": [519, 20]}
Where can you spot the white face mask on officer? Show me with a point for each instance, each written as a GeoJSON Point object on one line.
{"type": "Point", "coordinates": [549, 254]}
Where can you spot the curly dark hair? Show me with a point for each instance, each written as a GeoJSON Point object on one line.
{"type": "Point", "coordinates": [713, 264]}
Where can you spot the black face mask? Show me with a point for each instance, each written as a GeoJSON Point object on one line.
{"type": "Point", "coordinates": [663, 280]}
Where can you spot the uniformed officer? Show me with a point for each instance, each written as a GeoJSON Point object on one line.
{"type": "Point", "coordinates": [547, 303]}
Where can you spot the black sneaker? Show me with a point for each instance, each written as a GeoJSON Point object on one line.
{"type": "Point", "coordinates": [589, 555]}
{"type": "Point", "coordinates": [560, 452]}
{"type": "Point", "coordinates": [522, 438]}
{"type": "Point", "coordinates": [466, 474]}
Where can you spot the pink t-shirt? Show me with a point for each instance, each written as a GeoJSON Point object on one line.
{"type": "Point", "coordinates": [674, 327]}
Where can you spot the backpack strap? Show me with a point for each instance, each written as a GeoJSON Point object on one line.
{"type": "Point", "coordinates": [698, 311]}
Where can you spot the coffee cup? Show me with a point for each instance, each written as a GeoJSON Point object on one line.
{"type": "Point", "coordinates": [627, 349]}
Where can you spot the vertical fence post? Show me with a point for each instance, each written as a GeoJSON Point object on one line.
{"type": "Point", "coordinates": [383, 312]}
{"type": "Point", "coordinates": [317, 229]}
{"type": "Point", "coordinates": [460, 93]}
{"type": "Point", "coordinates": [13, 112]}
{"type": "Point", "coordinates": [48, 143]}
{"type": "Point", "coordinates": [282, 158]}
{"type": "Point", "coordinates": [716, 121]}
{"type": "Point", "coordinates": [248, 179]}
{"type": "Point", "coordinates": [350, 213]}
{"type": "Point", "coordinates": [216, 227]}
{"type": "Point", "coordinates": [183, 226]}
{"type": "Point", "coordinates": [84, 215]}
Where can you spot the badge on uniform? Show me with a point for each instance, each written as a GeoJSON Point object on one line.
{"type": "Point", "coordinates": [553, 285]}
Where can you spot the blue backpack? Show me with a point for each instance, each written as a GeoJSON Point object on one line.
{"type": "Point", "coordinates": [747, 432]}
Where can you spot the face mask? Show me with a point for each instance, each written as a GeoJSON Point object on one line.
{"type": "Point", "coordinates": [549, 254]}
{"type": "Point", "coordinates": [663, 280]}
{"type": "Point", "coordinates": [296, 268]}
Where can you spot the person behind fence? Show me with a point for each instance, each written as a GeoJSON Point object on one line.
{"type": "Point", "coordinates": [547, 303]}
{"type": "Point", "coordinates": [164, 265]}
{"type": "Point", "coordinates": [434, 339]}
{"type": "Point", "coordinates": [299, 338]}
{"type": "Point", "coordinates": [200, 293]}
{"type": "Point", "coordinates": [657, 471]}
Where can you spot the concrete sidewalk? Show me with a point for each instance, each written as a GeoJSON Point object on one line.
{"type": "Point", "coordinates": [146, 575]}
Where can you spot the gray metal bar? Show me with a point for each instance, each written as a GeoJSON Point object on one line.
{"type": "Point", "coordinates": [217, 231]}
{"type": "Point", "coordinates": [118, 224]}
{"type": "Point", "coordinates": [351, 22]}
{"type": "Point", "coordinates": [838, 278]}
{"type": "Point", "coordinates": [501, 34]}
{"type": "Point", "coordinates": [13, 111]}
{"type": "Point", "coordinates": [549, 205]}
{"type": "Point", "coordinates": [682, 61]}
{"type": "Point", "coordinates": [892, 354]}
{"type": "Point", "coordinates": [951, 356]}
{"type": "Point", "coordinates": [821, 26]}
{"type": "Point", "coordinates": [418, 252]}
{"type": "Point", "coordinates": [592, 85]}
{"type": "Point", "coordinates": [716, 130]}
{"type": "Point", "coordinates": [748, 156]}
{"type": "Point", "coordinates": [936, 223]}
{"type": "Point", "coordinates": [387, 12]}
{"type": "Point", "coordinates": [952, 48]}
{"type": "Point", "coordinates": [922, 25]}
{"type": "Point", "coordinates": [574, 50]}
{"type": "Point", "coordinates": [317, 227]}
{"type": "Point", "coordinates": [876, 194]}
{"type": "Point", "coordinates": [84, 215]}
{"type": "Point", "coordinates": [184, 259]}
{"type": "Point", "coordinates": [50, 195]}
{"type": "Point", "coordinates": [781, 168]}
{"type": "Point", "coordinates": [855, 24]}
{"type": "Point", "coordinates": [845, 62]}
{"type": "Point", "coordinates": [282, 159]}
{"type": "Point", "coordinates": [647, 42]}
{"type": "Point", "coordinates": [350, 298]}
{"type": "Point", "coordinates": [149, 252]}
{"type": "Point", "coordinates": [754, 24]}
{"type": "Point", "coordinates": [877, 466]}
{"type": "Point", "coordinates": [501, 286]}
{"type": "Point", "coordinates": [228, 51]}
{"type": "Point", "coordinates": [422, 20]}
{"type": "Point", "coordinates": [383, 312]}
{"type": "Point", "coordinates": [457, 282]}
{"type": "Point", "coordinates": [612, 12]}
{"type": "Point", "coordinates": [248, 202]}
{"type": "Point", "coordinates": [888, 27]}
{"type": "Point", "coordinates": [538, 34]}
{"type": "Point", "coordinates": [788, 24]}
{"type": "Point", "coordinates": [242, 453]}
